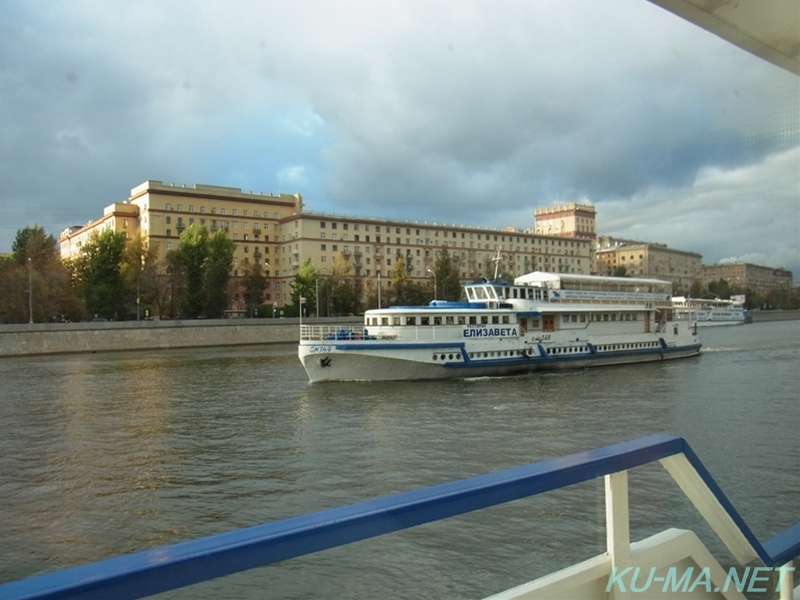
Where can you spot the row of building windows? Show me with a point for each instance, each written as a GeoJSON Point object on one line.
{"type": "Point", "coordinates": [436, 233]}
{"type": "Point", "coordinates": [222, 211]}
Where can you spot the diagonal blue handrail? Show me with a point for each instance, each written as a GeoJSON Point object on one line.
{"type": "Point", "coordinates": [170, 567]}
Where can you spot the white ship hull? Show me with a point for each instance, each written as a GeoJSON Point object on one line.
{"type": "Point", "coordinates": [541, 322]}
{"type": "Point", "coordinates": [363, 361]}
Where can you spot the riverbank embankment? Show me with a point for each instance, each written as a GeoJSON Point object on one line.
{"type": "Point", "coordinates": [63, 338]}
{"type": "Point", "coordinates": [765, 316]}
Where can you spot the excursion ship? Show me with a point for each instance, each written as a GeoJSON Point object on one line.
{"type": "Point", "coordinates": [712, 312]}
{"type": "Point", "coordinates": [542, 321]}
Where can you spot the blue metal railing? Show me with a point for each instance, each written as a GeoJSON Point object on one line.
{"type": "Point", "coordinates": [178, 565]}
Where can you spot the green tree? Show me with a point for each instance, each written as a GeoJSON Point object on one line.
{"type": "Point", "coordinates": [199, 271]}
{"type": "Point", "coordinates": [696, 290]}
{"type": "Point", "coordinates": [620, 271]}
{"type": "Point", "coordinates": [189, 264]}
{"type": "Point", "coordinates": [99, 271]}
{"type": "Point", "coordinates": [720, 289]}
{"type": "Point", "coordinates": [217, 274]}
{"type": "Point", "coordinates": [36, 244]}
{"type": "Point", "coordinates": [140, 275]}
{"type": "Point", "coordinates": [34, 274]}
{"type": "Point", "coordinates": [448, 277]}
{"type": "Point", "coordinates": [254, 283]}
{"type": "Point", "coordinates": [405, 291]}
{"type": "Point", "coordinates": [304, 286]}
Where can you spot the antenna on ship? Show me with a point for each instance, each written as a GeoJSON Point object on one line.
{"type": "Point", "coordinates": [496, 260]}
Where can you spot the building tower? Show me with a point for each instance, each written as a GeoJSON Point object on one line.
{"type": "Point", "coordinates": [566, 220]}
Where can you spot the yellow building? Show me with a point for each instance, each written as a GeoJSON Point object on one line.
{"type": "Point", "coordinates": [566, 220]}
{"type": "Point", "coordinates": [274, 231]}
{"type": "Point", "coordinates": [647, 260]}
{"type": "Point", "coordinates": [758, 278]}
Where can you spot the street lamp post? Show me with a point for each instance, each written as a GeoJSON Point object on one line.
{"type": "Point", "coordinates": [30, 290]}
{"type": "Point", "coordinates": [434, 283]}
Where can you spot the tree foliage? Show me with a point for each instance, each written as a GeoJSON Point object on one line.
{"type": "Point", "coordinates": [253, 285]}
{"type": "Point", "coordinates": [43, 281]}
{"type": "Point", "coordinates": [99, 274]}
{"type": "Point", "coordinates": [448, 277]}
{"type": "Point", "coordinates": [304, 286]}
{"type": "Point", "coordinates": [199, 271]}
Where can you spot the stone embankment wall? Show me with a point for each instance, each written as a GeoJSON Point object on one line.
{"type": "Point", "coordinates": [59, 338]}
{"type": "Point", "coordinates": [763, 316]}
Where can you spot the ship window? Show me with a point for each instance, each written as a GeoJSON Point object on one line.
{"type": "Point", "coordinates": [397, 321]}
{"type": "Point", "coordinates": [534, 323]}
{"type": "Point", "coordinates": [473, 320]}
{"type": "Point", "coordinates": [462, 320]}
{"type": "Point", "coordinates": [565, 318]}
{"type": "Point", "coordinates": [495, 319]}
{"type": "Point", "coordinates": [574, 318]}
{"type": "Point", "coordinates": [505, 318]}
{"type": "Point", "coordinates": [411, 320]}
{"type": "Point", "coordinates": [485, 320]}
{"type": "Point", "coordinates": [449, 321]}
{"type": "Point", "coordinates": [384, 320]}
{"type": "Point", "coordinates": [583, 318]}
{"type": "Point", "coordinates": [437, 320]}
{"type": "Point", "coordinates": [425, 320]}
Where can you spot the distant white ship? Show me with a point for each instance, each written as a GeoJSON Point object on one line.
{"type": "Point", "coordinates": [542, 321]}
{"type": "Point", "coordinates": [712, 312]}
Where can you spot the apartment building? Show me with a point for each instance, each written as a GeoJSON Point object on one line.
{"type": "Point", "coordinates": [642, 259]}
{"type": "Point", "coordinates": [276, 232]}
{"type": "Point", "coordinates": [758, 278]}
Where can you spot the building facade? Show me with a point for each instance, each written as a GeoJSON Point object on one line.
{"type": "Point", "coordinates": [566, 220]}
{"type": "Point", "coordinates": [647, 260]}
{"type": "Point", "coordinates": [758, 278]}
{"type": "Point", "coordinates": [275, 232]}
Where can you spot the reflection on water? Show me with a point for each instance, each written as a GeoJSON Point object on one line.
{"type": "Point", "coordinates": [103, 455]}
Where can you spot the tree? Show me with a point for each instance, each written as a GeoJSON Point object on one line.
{"type": "Point", "coordinates": [720, 289]}
{"type": "Point", "coordinates": [448, 277]}
{"type": "Point", "coordinates": [200, 270]}
{"type": "Point", "coordinates": [404, 291]}
{"type": "Point", "coordinates": [34, 274]}
{"type": "Point", "coordinates": [36, 244]}
{"type": "Point", "coordinates": [304, 286]}
{"type": "Point", "coordinates": [696, 290]}
{"type": "Point", "coordinates": [621, 271]}
{"type": "Point", "coordinates": [254, 284]}
{"type": "Point", "coordinates": [219, 263]}
{"type": "Point", "coordinates": [140, 275]}
{"type": "Point", "coordinates": [99, 271]}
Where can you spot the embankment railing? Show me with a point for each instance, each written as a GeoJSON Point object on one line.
{"type": "Point", "coordinates": [170, 567]}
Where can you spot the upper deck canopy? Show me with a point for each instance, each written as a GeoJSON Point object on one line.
{"type": "Point", "coordinates": [559, 280]}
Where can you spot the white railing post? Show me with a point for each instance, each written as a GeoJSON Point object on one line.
{"type": "Point", "coordinates": [787, 581]}
{"type": "Point", "coordinates": [618, 535]}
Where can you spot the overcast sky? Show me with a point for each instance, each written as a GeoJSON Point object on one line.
{"type": "Point", "coordinates": [472, 113]}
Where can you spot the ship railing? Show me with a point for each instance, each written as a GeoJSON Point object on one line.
{"type": "Point", "coordinates": [171, 567]}
{"type": "Point", "coordinates": [323, 333]}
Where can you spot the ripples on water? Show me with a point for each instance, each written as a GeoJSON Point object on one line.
{"type": "Point", "coordinates": [104, 455]}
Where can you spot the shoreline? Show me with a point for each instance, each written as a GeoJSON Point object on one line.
{"type": "Point", "coordinates": [39, 339]}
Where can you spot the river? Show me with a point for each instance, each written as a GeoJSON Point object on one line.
{"type": "Point", "coordinates": [102, 455]}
